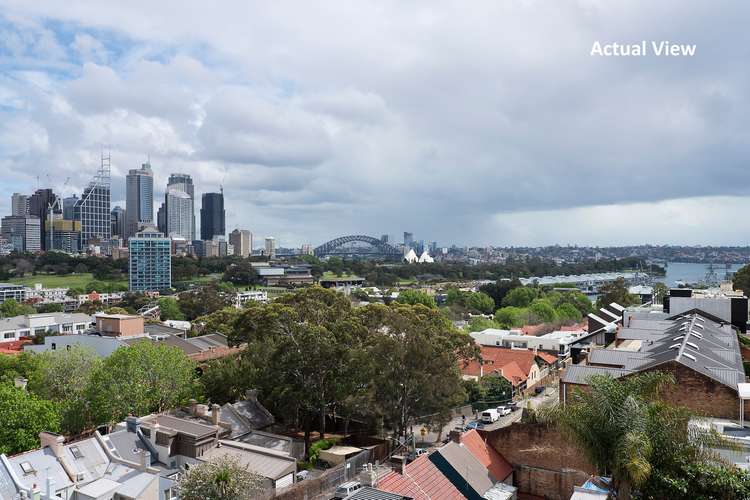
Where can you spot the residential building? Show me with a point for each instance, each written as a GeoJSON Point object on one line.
{"type": "Point", "coordinates": [19, 205]}
{"type": "Point", "coordinates": [213, 221]}
{"type": "Point", "coordinates": [700, 350]}
{"type": "Point", "coordinates": [12, 291]}
{"type": "Point", "coordinates": [117, 218]}
{"type": "Point", "coordinates": [16, 327]}
{"type": "Point", "coordinates": [139, 199]}
{"type": "Point", "coordinates": [521, 367]}
{"type": "Point", "coordinates": [40, 204]}
{"type": "Point", "coordinates": [728, 305]}
{"type": "Point", "coordinates": [150, 261]}
{"type": "Point", "coordinates": [468, 475]}
{"type": "Point", "coordinates": [557, 342]}
{"type": "Point", "coordinates": [179, 214]}
{"type": "Point", "coordinates": [420, 480]}
{"type": "Point", "coordinates": [270, 248]}
{"type": "Point", "coordinates": [242, 240]}
{"type": "Point", "coordinates": [23, 232]}
{"type": "Point", "coordinates": [93, 209]}
{"type": "Point", "coordinates": [40, 295]}
{"type": "Point", "coordinates": [243, 298]}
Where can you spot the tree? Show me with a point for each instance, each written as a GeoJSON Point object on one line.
{"type": "Point", "coordinates": [218, 479]}
{"type": "Point", "coordinates": [170, 309]}
{"type": "Point", "coordinates": [24, 416]}
{"type": "Point", "coordinates": [140, 379]}
{"type": "Point", "coordinates": [10, 308]}
{"type": "Point", "coordinates": [568, 312]}
{"type": "Point", "coordinates": [241, 273]}
{"type": "Point", "coordinates": [496, 388]}
{"type": "Point", "coordinates": [626, 431]}
{"type": "Point", "coordinates": [509, 317]}
{"type": "Point", "coordinates": [49, 308]}
{"type": "Point", "coordinates": [499, 289]}
{"type": "Point", "coordinates": [543, 310]}
{"type": "Point", "coordinates": [480, 302]}
{"type": "Point", "coordinates": [63, 377]}
{"type": "Point", "coordinates": [415, 354]}
{"type": "Point", "coordinates": [660, 291]}
{"type": "Point", "coordinates": [741, 279]}
{"type": "Point", "coordinates": [478, 324]}
{"type": "Point", "coordinates": [416, 297]}
{"type": "Point", "coordinates": [616, 291]}
{"type": "Point", "coordinates": [203, 301]}
{"type": "Point", "coordinates": [521, 297]}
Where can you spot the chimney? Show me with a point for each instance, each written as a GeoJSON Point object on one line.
{"type": "Point", "coordinates": [194, 407]}
{"type": "Point", "coordinates": [50, 488]}
{"type": "Point", "coordinates": [132, 423]}
{"type": "Point", "coordinates": [455, 436]}
{"type": "Point", "coordinates": [145, 460]}
{"type": "Point", "coordinates": [252, 395]}
{"type": "Point", "coordinates": [53, 441]}
{"type": "Point", "coordinates": [215, 414]}
{"type": "Point", "coordinates": [21, 382]}
{"type": "Point", "coordinates": [154, 432]}
{"type": "Point", "coordinates": [399, 463]}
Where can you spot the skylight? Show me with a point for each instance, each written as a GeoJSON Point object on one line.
{"type": "Point", "coordinates": [76, 452]}
{"type": "Point", "coordinates": [27, 468]}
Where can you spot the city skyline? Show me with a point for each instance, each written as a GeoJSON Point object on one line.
{"type": "Point", "coordinates": [530, 140]}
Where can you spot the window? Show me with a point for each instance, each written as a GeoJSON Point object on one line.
{"type": "Point", "coordinates": [9, 335]}
{"type": "Point", "coordinates": [76, 452]}
{"type": "Point", "coordinates": [27, 468]}
{"type": "Point", "coordinates": [54, 346]}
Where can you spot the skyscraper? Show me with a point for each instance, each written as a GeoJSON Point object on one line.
{"type": "Point", "coordinates": [69, 205]}
{"type": "Point", "coordinates": [212, 216]}
{"type": "Point", "coordinates": [39, 206]}
{"type": "Point", "coordinates": [150, 261]}
{"type": "Point", "coordinates": [118, 220]}
{"type": "Point", "coordinates": [93, 209]}
{"type": "Point", "coordinates": [179, 215]}
{"type": "Point", "coordinates": [242, 240]}
{"type": "Point", "coordinates": [408, 239]}
{"type": "Point", "coordinates": [270, 247]}
{"type": "Point", "coordinates": [19, 204]}
{"type": "Point", "coordinates": [23, 232]}
{"type": "Point", "coordinates": [139, 199]}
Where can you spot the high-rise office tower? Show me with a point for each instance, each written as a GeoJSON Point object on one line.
{"type": "Point", "coordinates": [23, 232]}
{"type": "Point", "coordinates": [179, 202]}
{"type": "Point", "coordinates": [93, 210]}
{"type": "Point", "coordinates": [39, 206]}
{"type": "Point", "coordinates": [19, 204]}
{"type": "Point", "coordinates": [408, 239]}
{"type": "Point", "coordinates": [161, 217]}
{"type": "Point", "coordinates": [150, 261]}
{"type": "Point", "coordinates": [270, 247]}
{"type": "Point", "coordinates": [212, 216]}
{"type": "Point", "coordinates": [69, 205]}
{"type": "Point", "coordinates": [242, 241]}
{"type": "Point", "coordinates": [117, 217]}
{"type": "Point", "coordinates": [139, 199]}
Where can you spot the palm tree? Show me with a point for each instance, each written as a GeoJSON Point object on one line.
{"type": "Point", "coordinates": [624, 430]}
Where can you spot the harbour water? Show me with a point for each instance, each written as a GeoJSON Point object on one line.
{"type": "Point", "coordinates": [695, 273]}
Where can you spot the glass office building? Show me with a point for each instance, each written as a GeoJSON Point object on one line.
{"type": "Point", "coordinates": [150, 265]}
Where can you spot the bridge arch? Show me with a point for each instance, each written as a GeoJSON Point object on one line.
{"type": "Point", "coordinates": [381, 248]}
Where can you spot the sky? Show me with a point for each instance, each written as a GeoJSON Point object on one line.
{"type": "Point", "coordinates": [474, 123]}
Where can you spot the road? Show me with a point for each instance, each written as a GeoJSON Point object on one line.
{"type": "Point", "coordinates": [549, 395]}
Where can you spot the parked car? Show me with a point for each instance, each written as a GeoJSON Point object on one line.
{"type": "Point", "coordinates": [346, 489]}
{"type": "Point", "coordinates": [490, 415]}
{"type": "Point", "coordinates": [539, 390]}
{"type": "Point", "coordinates": [474, 425]}
{"type": "Point", "coordinates": [503, 410]}
{"type": "Point", "coordinates": [421, 451]}
{"type": "Point", "coordinates": [302, 475]}
{"type": "Point", "coordinates": [513, 406]}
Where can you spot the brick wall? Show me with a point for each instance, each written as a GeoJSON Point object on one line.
{"type": "Point", "coordinates": [548, 484]}
{"type": "Point", "coordinates": [544, 463]}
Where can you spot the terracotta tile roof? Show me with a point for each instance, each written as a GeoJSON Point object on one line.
{"type": "Point", "coordinates": [512, 363]}
{"type": "Point", "coordinates": [422, 481]}
{"type": "Point", "coordinates": [15, 346]}
{"type": "Point", "coordinates": [549, 358]}
{"type": "Point", "coordinates": [487, 456]}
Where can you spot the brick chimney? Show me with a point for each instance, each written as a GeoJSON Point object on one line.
{"type": "Point", "coordinates": [194, 407]}
{"type": "Point", "coordinates": [54, 441]}
{"type": "Point", "coordinates": [215, 414]}
{"type": "Point", "coordinates": [455, 436]}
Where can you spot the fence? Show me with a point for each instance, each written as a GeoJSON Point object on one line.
{"type": "Point", "coordinates": [324, 485]}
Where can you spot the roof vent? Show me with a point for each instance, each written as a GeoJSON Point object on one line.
{"type": "Point", "coordinates": [689, 356]}
{"type": "Point", "coordinates": [697, 334]}
{"type": "Point", "coordinates": [698, 326]}
{"type": "Point", "coordinates": [675, 346]}
{"type": "Point", "coordinates": [679, 337]}
{"type": "Point", "coordinates": [694, 346]}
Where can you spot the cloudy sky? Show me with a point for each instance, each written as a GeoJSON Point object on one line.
{"type": "Point", "coordinates": [463, 122]}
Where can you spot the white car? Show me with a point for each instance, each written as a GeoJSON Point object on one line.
{"type": "Point", "coordinates": [504, 410]}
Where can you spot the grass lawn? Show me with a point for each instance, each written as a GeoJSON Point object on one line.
{"type": "Point", "coordinates": [56, 281]}
{"type": "Point", "coordinates": [329, 275]}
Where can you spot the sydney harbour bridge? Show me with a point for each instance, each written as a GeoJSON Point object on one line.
{"type": "Point", "coordinates": [358, 245]}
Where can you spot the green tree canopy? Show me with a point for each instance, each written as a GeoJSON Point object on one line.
{"type": "Point", "coordinates": [480, 302]}
{"type": "Point", "coordinates": [616, 291]}
{"type": "Point", "coordinates": [219, 479]}
{"type": "Point", "coordinates": [241, 273]}
{"type": "Point", "coordinates": [416, 297]}
{"type": "Point", "coordinates": [521, 297]}
{"type": "Point", "coordinates": [512, 317]}
{"type": "Point", "coordinates": [24, 416]}
{"type": "Point", "coordinates": [170, 309]}
{"type": "Point", "coordinates": [741, 279]}
{"type": "Point", "coordinates": [140, 379]}
{"type": "Point", "coordinates": [10, 308]}
{"type": "Point", "coordinates": [543, 310]}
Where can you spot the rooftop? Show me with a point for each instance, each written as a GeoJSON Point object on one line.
{"type": "Point", "coordinates": [422, 481]}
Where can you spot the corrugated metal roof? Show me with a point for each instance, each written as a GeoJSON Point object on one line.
{"type": "Point", "coordinates": [368, 493]}
{"type": "Point", "coordinates": [581, 374]}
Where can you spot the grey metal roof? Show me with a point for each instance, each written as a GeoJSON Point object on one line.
{"type": "Point", "coordinates": [267, 463]}
{"type": "Point", "coordinates": [581, 374]}
{"type": "Point", "coordinates": [614, 357]}
{"type": "Point", "coordinates": [467, 466]}
{"type": "Point", "coordinates": [44, 465]}
{"type": "Point", "coordinates": [367, 493]}
{"type": "Point", "coordinates": [210, 341]}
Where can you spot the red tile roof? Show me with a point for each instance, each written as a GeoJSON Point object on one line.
{"type": "Point", "coordinates": [422, 481]}
{"type": "Point", "coordinates": [487, 455]}
{"type": "Point", "coordinates": [15, 346]}
{"type": "Point", "coordinates": [549, 358]}
{"type": "Point", "coordinates": [513, 364]}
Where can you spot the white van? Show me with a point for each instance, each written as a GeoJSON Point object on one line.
{"type": "Point", "coordinates": [489, 416]}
